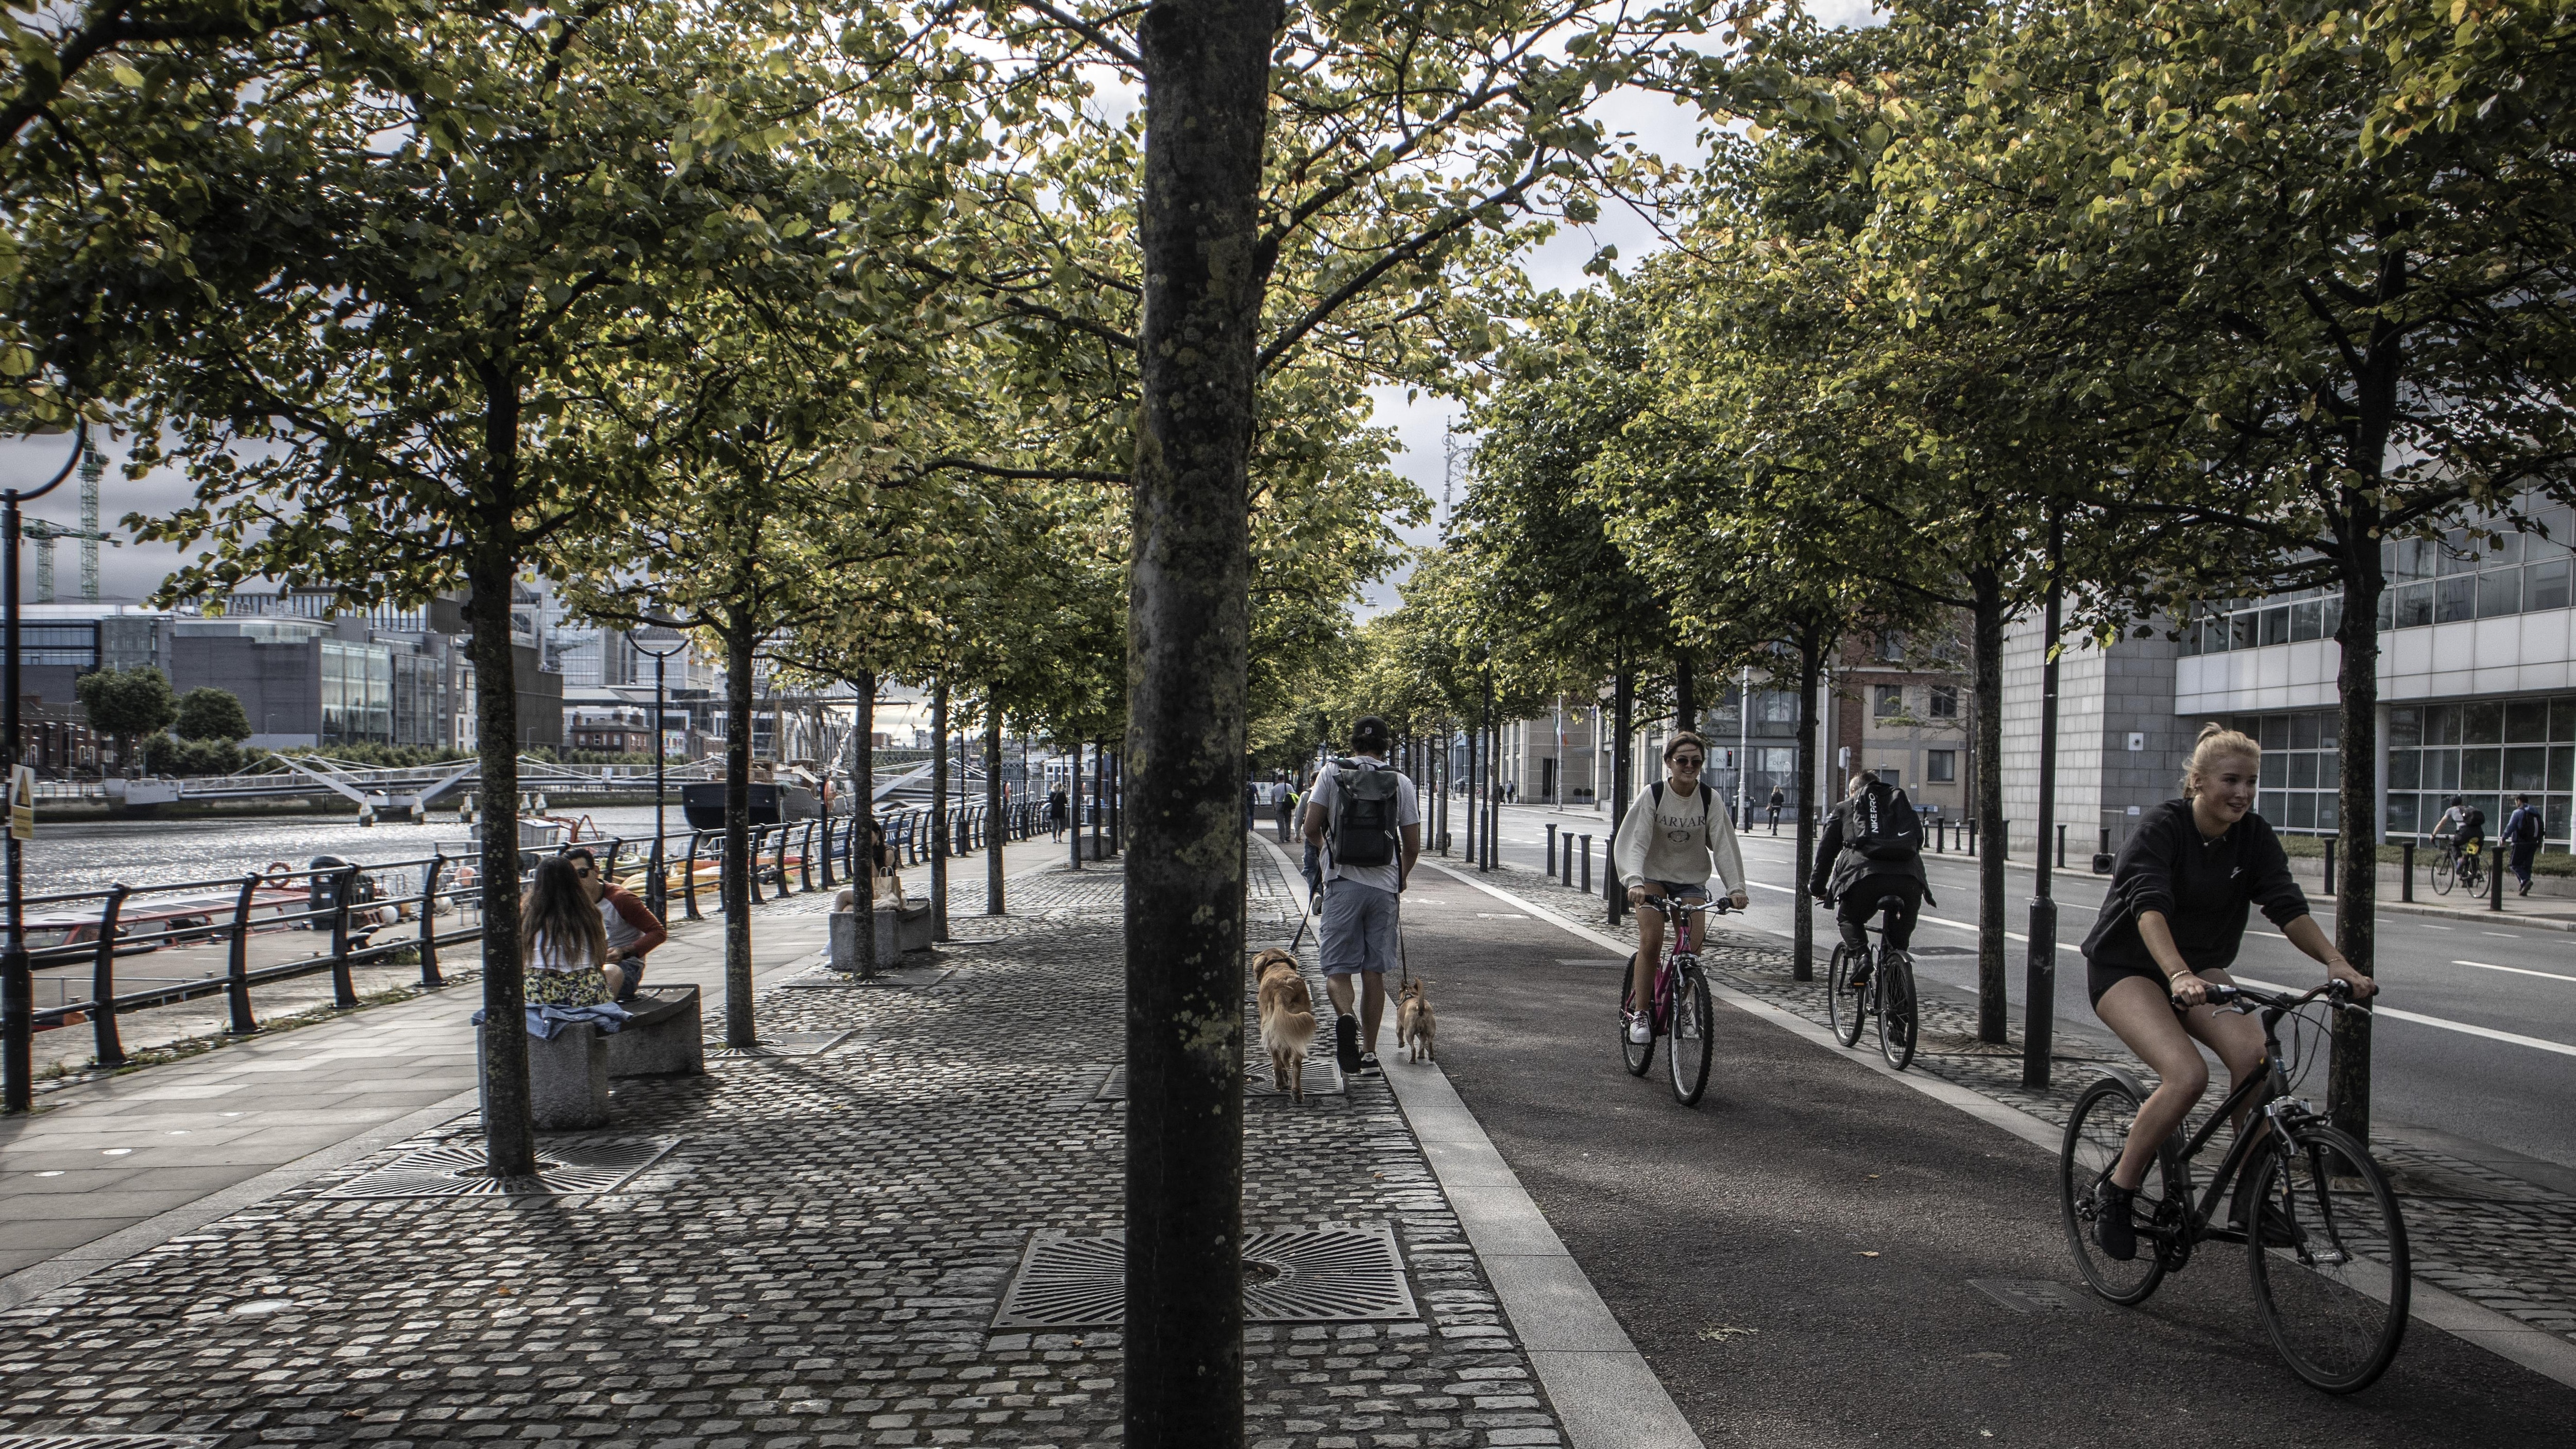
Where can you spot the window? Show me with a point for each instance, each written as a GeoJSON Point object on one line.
{"type": "Point", "coordinates": [1943, 703]}
{"type": "Point", "coordinates": [1891, 647]}
{"type": "Point", "coordinates": [1941, 767]}
{"type": "Point", "coordinates": [1890, 703]}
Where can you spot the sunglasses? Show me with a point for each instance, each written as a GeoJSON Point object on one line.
{"type": "Point", "coordinates": [1688, 761]}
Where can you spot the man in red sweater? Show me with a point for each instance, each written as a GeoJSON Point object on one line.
{"type": "Point", "coordinates": [633, 929]}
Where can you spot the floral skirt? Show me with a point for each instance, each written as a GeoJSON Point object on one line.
{"type": "Point", "coordinates": [586, 987]}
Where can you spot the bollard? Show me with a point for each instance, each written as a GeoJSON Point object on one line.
{"type": "Point", "coordinates": [2406, 870]}
{"type": "Point", "coordinates": [1587, 865]}
{"type": "Point", "coordinates": [237, 991]}
{"type": "Point", "coordinates": [689, 875]}
{"type": "Point", "coordinates": [1971, 827]}
{"type": "Point", "coordinates": [109, 1051]}
{"type": "Point", "coordinates": [1940, 837]}
{"type": "Point", "coordinates": [2328, 891]}
{"type": "Point", "coordinates": [344, 991]}
{"type": "Point", "coordinates": [2495, 881]}
{"type": "Point", "coordinates": [429, 976]}
{"type": "Point", "coordinates": [1551, 850]}
{"type": "Point", "coordinates": [2061, 847]}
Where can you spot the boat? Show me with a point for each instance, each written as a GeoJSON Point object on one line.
{"type": "Point", "coordinates": [704, 805]}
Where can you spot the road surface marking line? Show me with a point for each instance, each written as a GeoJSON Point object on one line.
{"type": "Point", "coordinates": [2516, 970]}
{"type": "Point", "coordinates": [2470, 1322]}
{"type": "Point", "coordinates": [1605, 1394]}
{"type": "Point", "coordinates": [2490, 1033]}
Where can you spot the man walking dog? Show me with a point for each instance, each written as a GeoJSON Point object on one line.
{"type": "Point", "coordinates": [1367, 820]}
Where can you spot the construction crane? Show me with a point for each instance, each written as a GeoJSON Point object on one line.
{"type": "Point", "coordinates": [91, 469]}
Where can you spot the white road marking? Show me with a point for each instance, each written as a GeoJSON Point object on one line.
{"type": "Point", "coordinates": [2508, 935]}
{"type": "Point", "coordinates": [2465, 1029]}
{"type": "Point", "coordinates": [2438, 928]}
{"type": "Point", "coordinates": [2516, 970]}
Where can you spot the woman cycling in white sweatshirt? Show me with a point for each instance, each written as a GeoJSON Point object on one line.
{"type": "Point", "coordinates": [1665, 846]}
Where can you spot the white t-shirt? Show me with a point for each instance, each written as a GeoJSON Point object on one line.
{"type": "Point", "coordinates": [1408, 811]}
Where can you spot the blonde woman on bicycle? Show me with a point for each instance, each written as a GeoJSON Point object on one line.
{"type": "Point", "coordinates": [1672, 834]}
{"type": "Point", "coordinates": [2168, 931]}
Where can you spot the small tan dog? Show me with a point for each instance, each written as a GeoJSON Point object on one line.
{"type": "Point", "coordinates": [1415, 1026]}
{"type": "Point", "coordinates": [1287, 1020]}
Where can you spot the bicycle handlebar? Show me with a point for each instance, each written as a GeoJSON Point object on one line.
{"type": "Point", "coordinates": [1715, 905]}
{"type": "Point", "coordinates": [2338, 995]}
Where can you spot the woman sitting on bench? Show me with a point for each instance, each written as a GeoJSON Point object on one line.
{"type": "Point", "coordinates": [562, 941]}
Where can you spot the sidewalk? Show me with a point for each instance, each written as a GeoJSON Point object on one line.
{"type": "Point", "coordinates": [808, 1250]}
{"type": "Point", "coordinates": [2487, 1230]}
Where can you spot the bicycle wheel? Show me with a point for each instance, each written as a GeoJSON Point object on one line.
{"type": "Point", "coordinates": [2329, 1259]}
{"type": "Point", "coordinates": [2095, 1135]}
{"type": "Point", "coordinates": [1638, 1056]}
{"type": "Point", "coordinates": [2442, 878]}
{"type": "Point", "coordinates": [1687, 1053]}
{"type": "Point", "coordinates": [1896, 1008]}
{"type": "Point", "coordinates": [2473, 875]}
{"type": "Point", "coordinates": [1843, 1006]}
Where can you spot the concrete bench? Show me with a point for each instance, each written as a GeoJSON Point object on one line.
{"type": "Point", "coordinates": [567, 1077]}
{"type": "Point", "coordinates": [666, 1037]}
{"type": "Point", "coordinates": [898, 931]}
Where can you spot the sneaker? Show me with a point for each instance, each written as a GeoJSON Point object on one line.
{"type": "Point", "coordinates": [1346, 1042]}
{"type": "Point", "coordinates": [2111, 1226]}
{"type": "Point", "coordinates": [2522, 888]}
{"type": "Point", "coordinates": [1640, 1030]}
{"type": "Point", "coordinates": [1369, 1066]}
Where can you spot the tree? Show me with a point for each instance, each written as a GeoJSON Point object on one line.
{"type": "Point", "coordinates": [127, 704]}
{"type": "Point", "coordinates": [209, 713]}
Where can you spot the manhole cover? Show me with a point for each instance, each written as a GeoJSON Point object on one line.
{"type": "Point", "coordinates": [778, 1044]}
{"type": "Point", "coordinates": [459, 1171]}
{"type": "Point", "coordinates": [1297, 1275]}
{"type": "Point", "coordinates": [110, 1441]}
{"type": "Point", "coordinates": [2028, 1295]}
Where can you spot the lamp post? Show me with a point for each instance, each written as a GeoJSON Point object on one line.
{"type": "Point", "coordinates": [17, 978]}
{"type": "Point", "coordinates": [655, 892]}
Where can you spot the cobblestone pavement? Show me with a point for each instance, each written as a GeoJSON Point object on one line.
{"type": "Point", "coordinates": [815, 1262]}
{"type": "Point", "coordinates": [2497, 1239]}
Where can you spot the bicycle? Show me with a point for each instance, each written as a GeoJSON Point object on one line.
{"type": "Point", "coordinates": [1683, 1008]}
{"type": "Point", "coordinates": [2328, 1249]}
{"type": "Point", "coordinates": [1889, 993]}
{"type": "Point", "coordinates": [2466, 865]}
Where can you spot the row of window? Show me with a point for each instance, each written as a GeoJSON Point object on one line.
{"type": "Point", "coordinates": [2431, 581]}
{"type": "Point", "coordinates": [2485, 751]}
{"type": "Point", "coordinates": [1940, 701]}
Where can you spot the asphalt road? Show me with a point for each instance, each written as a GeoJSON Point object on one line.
{"type": "Point", "coordinates": [2432, 1068]}
{"type": "Point", "coordinates": [1794, 1256]}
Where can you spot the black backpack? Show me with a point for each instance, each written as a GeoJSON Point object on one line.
{"type": "Point", "coordinates": [1884, 826]}
{"type": "Point", "coordinates": [1365, 804]}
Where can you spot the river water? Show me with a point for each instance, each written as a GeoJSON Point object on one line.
{"type": "Point", "coordinates": [94, 854]}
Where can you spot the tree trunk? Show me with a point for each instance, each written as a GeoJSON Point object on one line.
{"type": "Point", "coordinates": [509, 1135]}
{"type": "Point", "coordinates": [1207, 68]}
{"type": "Point", "coordinates": [735, 889]}
{"type": "Point", "coordinates": [1073, 805]}
{"type": "Point", "coordinates": [1988, 613]}
{"type": "Point", "coordinates": [939, 839]}
{"type": "Point", "coordinates": [1802, 929]}
{"type": "Point", "coordinates": [996, 830]}
{"type": "Point", "coordinates": [1623, 706]}
{"type": "Point", "coordinates": [863, 809]}
{"type": "Point", "coordinates": [1685, 694]}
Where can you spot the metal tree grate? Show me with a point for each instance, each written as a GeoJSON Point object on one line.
{"type": "Point", "coordinates": [458, 1170]}
{"type": "Point", "coordinates": [110, 1441]}
{"type": "Point", "coordinates": [781, 1044]}
{"type": "Point", "coordinates": [1295, 1275]}
{"type": "Point", "coordinates": [1323, 1079]}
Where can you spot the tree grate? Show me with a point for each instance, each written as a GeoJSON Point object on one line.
{"type": "Point", "coordinates": [777, 1044]}
{"type": "Point", "coordinates": [1323, 1078]}
{"type": "Point", "coordinates": [110, 1441]}
{"type": "Point", "coordinates": [458, 1170]}
{"type": "Point", "coordinates": [1294, 1275]}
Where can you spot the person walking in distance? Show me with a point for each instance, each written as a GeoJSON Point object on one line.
{"type": "Point", "coordinates": [1778, 799]}
{"type": "Point", "coordinates": [1363, 816]}
{"type": "Point", "coordinates": [1056, 813]}
{"type": "Point", "coordinates": [1871, 849]}
{"type": "Point", "coordinates": [1665, 846]}
{"type": "Point", "coordinates": [2522, 832]}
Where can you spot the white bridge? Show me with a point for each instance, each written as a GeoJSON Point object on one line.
{"type": "Point", "coordinates": [383, 790]}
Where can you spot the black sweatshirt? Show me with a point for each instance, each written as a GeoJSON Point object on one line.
{"type": "Point", "coordinates": [2201, 885]}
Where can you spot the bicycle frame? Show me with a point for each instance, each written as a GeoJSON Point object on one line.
{"type": "Point", "coordinates": [1677, 916]}
{"type": "Point", "coordinates": [2267, 1092]}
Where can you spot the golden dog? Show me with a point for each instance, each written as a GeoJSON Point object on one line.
{"type": "Point", "coordinates": [1287, 1020]}
{"type": "Point", "coordinates": [1414, 1024]}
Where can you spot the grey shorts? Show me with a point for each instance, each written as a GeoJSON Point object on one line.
{"type": "Point", "coordinates": [1359, 929]}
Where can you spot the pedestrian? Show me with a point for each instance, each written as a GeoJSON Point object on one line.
{"type": "Point", "coordinates": [1364, 817]}
{"type": "Point", "coordinates": [1286, 800]}
{"type": "Point", "coordinates": [631, 927]}
{"type": "Point", "coordinates": [562, 944]}
{"type": "Point", "coordinates": [1056, 812]}
{"type": "Point", "coordinates": [1778, 799]}
{"type": "Point", "coordinates": [2522, 831]}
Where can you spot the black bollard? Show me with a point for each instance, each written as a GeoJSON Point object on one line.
{"type": "Point", "coordinates": [2406, 871]}
{"type": "Point", "coordinates": [1587, 865]}
{"type": "Point", "coordinates": [2061, 847]}
{"type": "Point", "coordinates": [2329, 882]}
{"type": "Point", "coordinates": [2495, 881]}
{"type": "Point", "coordinates": [1551, 850]}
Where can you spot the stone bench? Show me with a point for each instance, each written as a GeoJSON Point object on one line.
{"type": "Point", "coordinates": [899, 931]}
{"type": "Point", "coordinates": [666, 1037]}
{"type": "Point", "coordinates": [567, 1077]}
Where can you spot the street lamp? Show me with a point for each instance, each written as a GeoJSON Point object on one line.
{"type": "Point", "coordinates": [17, 978]}
{"type": "Point", "coordinates": [661, 753]}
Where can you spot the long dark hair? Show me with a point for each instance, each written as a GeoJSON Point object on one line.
{"type": "Point", "coordinates": [556, 911]}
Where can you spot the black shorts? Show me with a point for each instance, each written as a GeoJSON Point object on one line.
{"type": "Point", "coordinates": [2099, 978]}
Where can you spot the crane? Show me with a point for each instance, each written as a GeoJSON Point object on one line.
{"type": "Point", "coordinates": [44, 533]}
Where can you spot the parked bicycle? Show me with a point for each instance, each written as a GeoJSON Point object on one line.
{"type": "Point", "coordinates": [1682, 1007]}
{"type": "Point", "coordinates": [1887, 993]}
{"type": "Point", "coordinates": [2465, 867]}
{"type": "Point", "coordinates": [2324, 1239]}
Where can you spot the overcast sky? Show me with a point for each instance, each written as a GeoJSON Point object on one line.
{"type": "Point", "coordinates": [131, 571]}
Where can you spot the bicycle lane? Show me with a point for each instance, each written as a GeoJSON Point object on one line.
{"type": "Point", "coordinates": [1799, 1258]}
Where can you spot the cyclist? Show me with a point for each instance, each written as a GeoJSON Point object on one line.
{"type": "Point", "coordinates": [1665, 846]}
{"type": "Point", "coordinates": [2460, 824]}
{"type": "Point", "coordinates": [1872, 848]}
{"type": "Point", "coordinates": [2168, 930]}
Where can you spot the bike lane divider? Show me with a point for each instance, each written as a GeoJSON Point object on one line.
{"type": "Point", "coordinates": [2538, 1350]}
{"type": "Point", "coordinates": [1605, 1394]}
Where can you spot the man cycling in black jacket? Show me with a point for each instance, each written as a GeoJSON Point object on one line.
{"type": "Point", "coordinates": [1872, 848]}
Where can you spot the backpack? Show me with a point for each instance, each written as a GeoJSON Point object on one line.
{"type": "Point", "coordinates": [1884, 826]}
{"type": "Point", "coordinates": [1364, 811]}
{"type": "Point", "coordinates": [2524, 827]}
